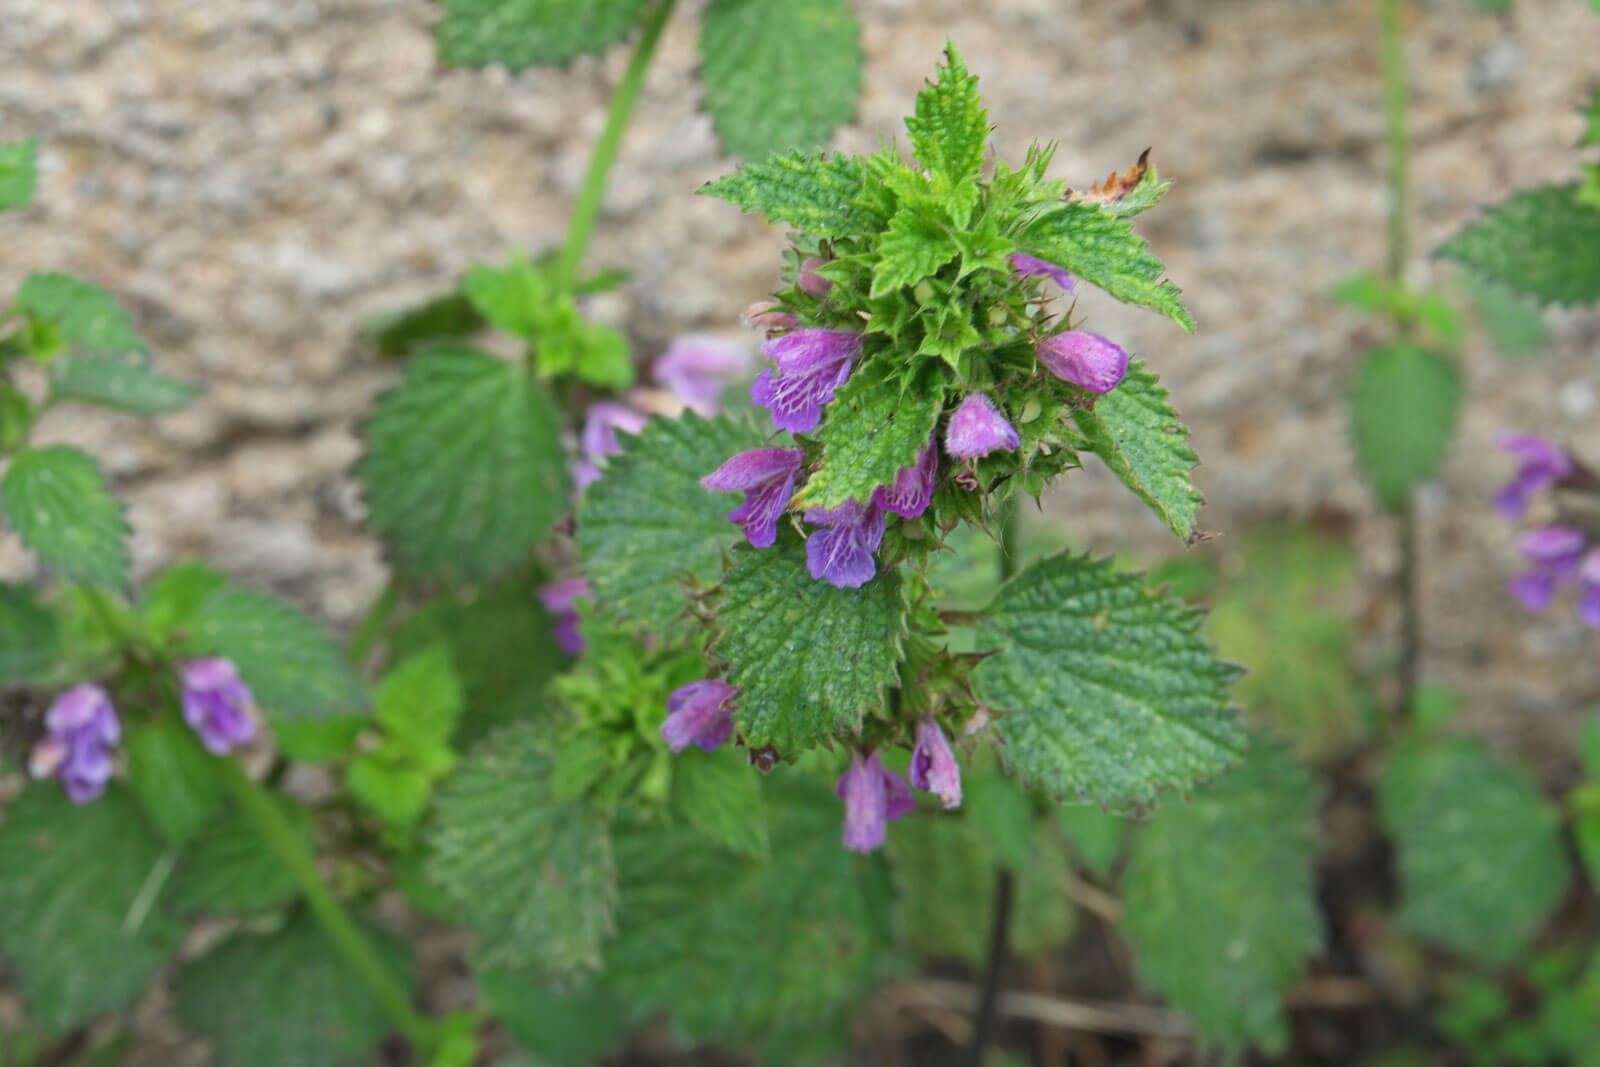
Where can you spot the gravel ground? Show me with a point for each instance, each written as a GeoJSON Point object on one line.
{"type": "Point", "coordinates": [256, 177]}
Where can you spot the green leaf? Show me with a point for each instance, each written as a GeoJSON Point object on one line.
{"type": "Point", "coordinates": [331, 739]}
{"type": "Point", "coordinates": [28, 636]}
{"type": "Point", "coordinates": [1003, 815]}
{"type": "Point", "coordinates": [169, 600]}
{"type": "Point", "coordinates": [119, 382]}
{"type": "Point", "coordinates": [391, 787]}
{"type": "Point", "coordinates": [1541, 243]}
{"type": "Point", "coordinates": [1584, 805]}
{"type": "Point", "coordinates": [944, 873]}
{"type": "Point", "coordinates": [871, 432]}
{"type": "Point", "coordinates": [812, 191]}
{"type": "Point", "coordinates": [286, 998]}
{"type": "Point", "coordinates": [1096, 836]}
{"type": "Point", "coordinates": [950, 130]}
{"type": "Point", "coordinates": [512, 297]}
{"type": "Point", "coordinates": [85, 315]}
{"type": "Point", "coordinates": [231, 868]}
{"type": "Point", "coordinates": [1515, 328]}
{"type": "Point", "coordinates": [174, 778]}
{"type": "Point", "coordinates": [914, 247]}
{"type": "Point", "coordinates": [778, 76]}
{"type": "Point", "coordinates": [463, 468]}
{"type": "Point", "coordinates": [445, 318]}
{"type": "Point", "coordinates": [1591, 132]}
{"type": "Point", "coordinates": [1589, 747]}
{"type": "Point", "coordinates": [1403, 408]}
{"type": "Point", "coordinates": [810, 658]}
{"type": "Point", "coordinates": [1101, 247]}
{"type": "Point", "coordinates": [17, 173]}
{"type": "Point", "coordinates": [575, 1028]}
{"type": "Point", "coordinates": [58, 500]}
{"type": "Point", "coordinates": [529, 33]}
{"type": "Point", "coordinates": [719, 794]}
{"type": "Point", "coordinates": [781, 948]}
{"type": "Point", "coordinates": [1108, 690]}
{"type": "Point", "coordinates": [1220, 900]}
{"type": "Point", "coordinates": [419, 698]}
{"type": "Point", "coordinates": [649, 523]}
{"type": "Point", "coordinates": [291, 666]}
{"type": "Point", "coordinates": [1480, 857]}
{"type": "Point", "coordinates": [1136, 431]}
{"type": "Point", "coordinates": [534, 877]}
{"type": "Point", "coordinates": [72, 925]}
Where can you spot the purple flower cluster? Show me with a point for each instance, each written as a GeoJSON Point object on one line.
{"type": "Point", "coordinates": [560, 599]}
{"type": "Point", "coordinates": [1557, 554]}
{"type": "Point", "coordinates": [873, 795]}
{"type": "Point", "coordinates": [696, 367]}
{"type": "Point", "coordinates": [82, 730]}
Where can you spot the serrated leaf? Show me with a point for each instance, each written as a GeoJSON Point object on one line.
{"type": "Point", "coordinates": [649, 522]}
{"type": "Point", "coordinates": [1220, 900]}
{"type": "Point", "coordinates": [950, 130]}
{"type": "Point", "coordinates": [169, 600]}
{"type": "Point", "coordinates": [572, 1028]}
{"type": "Point", "coordinates": [778, 76]}
{"type": "Point", "coordinates": [810, 658]}
{"type": "Point", "coordinates": [464, 469]}
{"type": "Point", "coordinates": [534, 877]}
{"type": "Point", "coordinates": [871, 432]}
{"type": "Point", "coordinates": [1138, 434]}
{"type": "Point", "coordinates": [1108, 690]}
{"type": "Point", "coordinates": [231, 868]}
{"type": "Point", "coordinates": [1403, 407]}
{"type": "Point", "coordinates": [119, 382]}
{"type": "Point", "coordinates": [1541, 243]}
{"type": "Point", "coordinates": [782, 946]}
{"type": "Point", "coordinates": [914, 247]}
{"type": "Point", "coordinates": [288, 997]}
{"type": "Point", "coordinates": [719, 794]}
{"type": "Point", "coordinates": [512, 297]}
{"type": "Point", "coordinates": [57, 499]}
{"type": "Point", "coordinates": [174, 778]}
{"type": "Point", "coordinates": [419, 698]}
{"type": "Point", "coordinates": [28, 635]}
{"type": "Point", "coordinates": [69, 884]}
{"type": "Point", "coordinates": [17, 173]}
{"type": "Point", "coordinates": [1480, 857]}
{"type": "Point", "coordinates": [812, 191]}
{"type": "Point", "coordinates": [444, 318]}
{"type": "Point", "coordinates": [528, 33]}
{"type": "Point", "coordinates": [1100, 247]}
{"type": "Point", "coordinates": [85, 315]}
{"type": "Point", "coordinates": [944, 874]}
{"type": "Point", "coordinates": [291, 666]}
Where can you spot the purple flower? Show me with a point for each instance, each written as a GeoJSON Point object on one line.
{"type": "Point", "coordinates": [766, 476]}
{"type": "Point", "coordinates": [811, 283]}
{"type": "Point", "coordinates": [763, 315]}
{"type": "Point", "coordinates": [1589, 589]}
{"type": "Point", "coordinates": [1085, 359]}
{"type": "Point", "coordinates": [812, 363]}
{"type": "Point", "coordinates": [872, 796]}
{"type": "Point", "coordinates": [1034, 267]}
{"type": "Point", "coordinates": [933, 765]}
{"type": "Point", "coordinates": [912, 489]}
{"type": "Point", "coordinates": [977, 428]}
{"type": "Point", "coordinates": [696, 367]}
{"type": "Point", "coordinates": [217, 704]}
{"type": "Point", "coordinates": [1543, 463]}
{"type": "Point", "coordinates": [559, 599]}
{"type": "Point", "coordinates": [83, 729]}
{"type": "Point", "coordinates": [698, 714]}
{"type": "Point", "coordinates": [599, 438]}
{"type": "Point", "coordinates": [1554, 553]}
{"type": "Point", "coordinates": [841, 554]}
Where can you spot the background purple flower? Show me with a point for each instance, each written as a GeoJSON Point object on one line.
{"type": "Point", "coordinates": [599, 438]}
{"type": "Point", "coordinates": [933, 765]}
{"type": "Point", "coordinates": [698, 714]}
{"type": "Point", "coordinates": [1589, 589]}
{"type": "Point", "coordinates": [872, 796]}
{"type": "Point", "coordinates": [1543, 463]}
{"type": "Point", "coordinates": [1085, 359]}
{"type": "Point", "coordinates": [841, 553]}
{"type": "Point", "coordinates": [812, 364]}
{"type": "Point", "coordinates": [696, 367]}
{"type": "Point", "coordinates": [1554, 553]}
{"type": "Point", "coordinates": [912, 489]}
{"type": "Point", "coordinates": [217, 704]}
{"type": "Point", "coordinates": [766, 477]}
{"type": "Point", "coordinates": [1034, 267]}
{"type": "Point", "coordinates": [977, 428]}
{"type": "Point", "coordinates": [82, 730]}
{"type": "Point", "coordinates": [559, 599]}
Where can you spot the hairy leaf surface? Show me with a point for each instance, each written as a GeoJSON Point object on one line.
{"type": "Point", "coordinates": [529, 33]}
{"type": "Point", "coordinates": [810, 190]}
{"type": "Point", "coordinates": [871, 432]}
{"type": "Point", "coordinates": [57, 498]}
{"type": "Point", "coordinates": [1101, 247]}
{"type": "Point", "coordinates": [1541, 242]}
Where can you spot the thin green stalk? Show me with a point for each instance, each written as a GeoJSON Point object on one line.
{"type": "Point", "coordinates": [373, 623]}
{"type": "Point", "coordinates": [587, 208]}
{"type": "Point", "coordinates": [341, 928]}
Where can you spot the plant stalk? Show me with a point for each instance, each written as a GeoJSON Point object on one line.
{"type": "Point", "coordinates": [586, 210]}
{"type": "Point", "coordinates": [335, 920]}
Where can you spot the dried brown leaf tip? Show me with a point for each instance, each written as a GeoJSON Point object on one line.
{"type": "Point", "coordinates": [1116, 186]}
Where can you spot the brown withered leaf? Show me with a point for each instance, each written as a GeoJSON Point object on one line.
{"type": "Point", "coordinates": [1116, 186]}
{"type": "Point", "coordinates": [764, 759]}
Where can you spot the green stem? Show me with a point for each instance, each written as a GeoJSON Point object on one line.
{"type": "Point", "coordinates": [342, 930]}
{"type": "Point", "coordinates": [1392, 45]}
{"type": "Point", "coordinates": [374, 622]}
{"type": "Point", "coordinates": [587, 208]}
